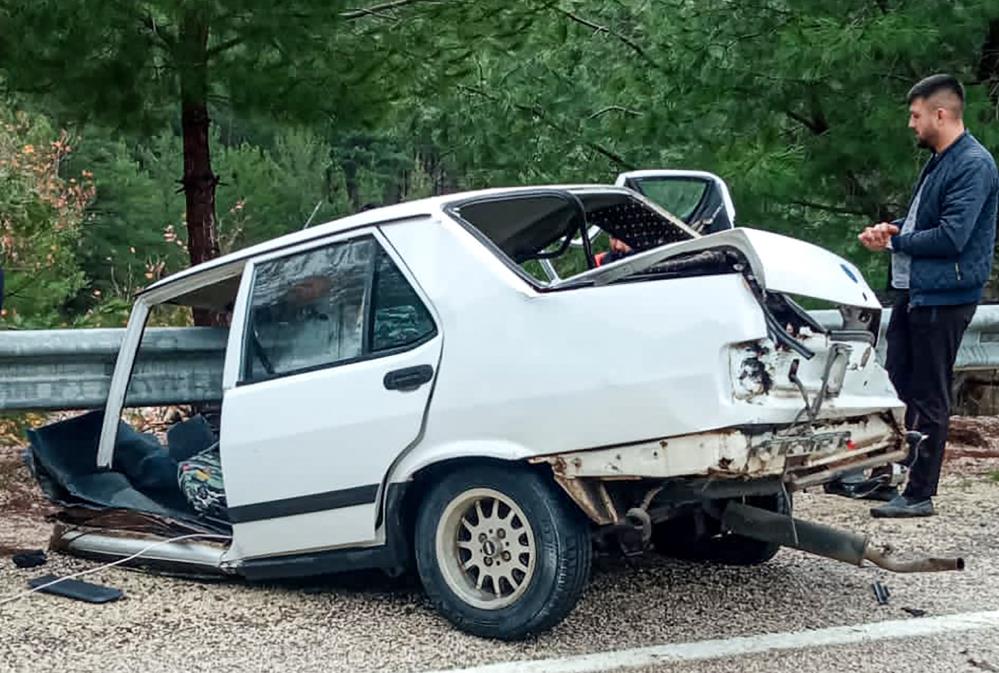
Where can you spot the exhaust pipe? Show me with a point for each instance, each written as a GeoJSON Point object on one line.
{"type": "Point", "coordinates": [815, 538]}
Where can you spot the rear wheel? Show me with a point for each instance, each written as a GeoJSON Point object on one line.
{"type": "Point", "coordinates": [501, 552]}
{"type": "Point", "coordinates": [680, 537]}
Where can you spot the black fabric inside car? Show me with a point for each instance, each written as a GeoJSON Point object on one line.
{"type": "Point", "coordinates": [63, 458]}
{"type": "Point", "coordinates": [635, 224]}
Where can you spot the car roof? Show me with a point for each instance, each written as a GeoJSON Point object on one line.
{"type": "Point", "coordinates": [421, 208]}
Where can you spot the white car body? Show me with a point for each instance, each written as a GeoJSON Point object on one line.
{"type": "Point", "coordinates": [598, 377]}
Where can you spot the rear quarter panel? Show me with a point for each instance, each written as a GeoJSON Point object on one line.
{"type": "Point", "coordinates": [525, 372]}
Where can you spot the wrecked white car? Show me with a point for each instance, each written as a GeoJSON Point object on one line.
{"type": "Point", "coordinates": [454, 386]}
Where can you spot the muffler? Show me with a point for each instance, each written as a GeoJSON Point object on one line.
{"type": "Point", "coordinates": [815, 538]}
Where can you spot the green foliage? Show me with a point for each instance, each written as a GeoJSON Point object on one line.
{"type": "Point", "coordinates": [799, 106]}
{"type": "Point", "coordinates": [268, 192]}
{"type": "Point", "coordinates": [131, 234]}
{"type": "Point", "coordinates": [134, 66]}
{"type": "Point", "coordinates": [40, 217]}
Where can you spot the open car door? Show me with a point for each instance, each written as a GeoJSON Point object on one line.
{"type": "Point", "coordinates": [699, 198]}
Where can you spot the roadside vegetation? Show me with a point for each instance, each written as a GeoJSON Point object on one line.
{"type": "Point", "coordinates": [137, 138]}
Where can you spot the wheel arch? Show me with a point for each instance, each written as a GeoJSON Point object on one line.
{"type": "Point", "coordinates": [420, 482]}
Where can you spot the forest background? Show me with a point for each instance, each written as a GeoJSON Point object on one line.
{"type": "Point", "coordinates": [137, 137]}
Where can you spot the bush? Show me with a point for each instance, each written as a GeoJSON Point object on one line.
{"type": "Point", "coordinates": [41, 215]}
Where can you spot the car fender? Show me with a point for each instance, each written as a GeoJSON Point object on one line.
{"type": "Point", "coordinates": [423, 456]}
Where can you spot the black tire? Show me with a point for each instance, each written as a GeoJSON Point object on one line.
{"type": "Point", "coordinates": [563, 552]}
{"type": "Point", "coordinates": [678, 537]}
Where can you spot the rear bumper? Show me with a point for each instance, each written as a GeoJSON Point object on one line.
{"type": "Point", "coordinates": [607, 483]}
{"type": "Point", "coordinates": [804, 458]}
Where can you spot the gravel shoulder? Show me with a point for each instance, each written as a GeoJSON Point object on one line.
{"type": "Point", "coordinates": [971, 653]}
{"type": "Point", "coordinates": [364, 622]}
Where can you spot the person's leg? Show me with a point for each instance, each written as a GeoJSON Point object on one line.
{"type": "Point", "coordinates": [899, 364]}
{"type": "Point", "coordinates": [898, 359]}
{"type": "Point", "coordinates": [935, 335]}
{"type": "Point", "coordinates": [938, 330]}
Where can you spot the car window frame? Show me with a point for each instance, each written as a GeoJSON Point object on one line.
{"type": "Point", "coordinates": [367, 354]}
{"type": "Point", "coordinates": [452, 210]}
{"type": "Point", "coordinates": [706, 185]}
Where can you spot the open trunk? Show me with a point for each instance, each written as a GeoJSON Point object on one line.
{"type": "Point", "coordinates": [776, 263]}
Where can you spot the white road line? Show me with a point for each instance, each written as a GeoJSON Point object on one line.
{"type": "Point", "coordinates": [768, 642]}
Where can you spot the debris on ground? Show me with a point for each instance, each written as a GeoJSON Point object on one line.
{"type": "Point", "coordinates": [75, 589]}
{"type": "Point", "coordinates": [881, 593]}
{"type": "Point", "coordinates": [632, 604]}
{"type": "Point", "coordinates": [983, 665]}
{"type": "Point", "coordinates": [973, 437]}
{"type": "Point", "coordinates": [31, 558]}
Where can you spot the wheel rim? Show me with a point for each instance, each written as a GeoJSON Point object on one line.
{"type": "Point", "coordinates": [486, 548]}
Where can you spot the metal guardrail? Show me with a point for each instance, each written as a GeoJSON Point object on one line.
{"type": "Point", "coordinates": [71, 369]}
{"type": "Point", "coordinates": [979, 349]}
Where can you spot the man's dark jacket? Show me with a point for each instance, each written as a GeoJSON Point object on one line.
{"type": "Point", "coordinates": [955, 232]}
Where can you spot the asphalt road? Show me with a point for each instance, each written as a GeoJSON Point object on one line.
{"type": "Point", "coordinates": [367, 623]}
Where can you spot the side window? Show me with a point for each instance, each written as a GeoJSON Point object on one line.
{"type": "Point", "coordinates": [329, 305]}
{"type": "Point", "coordinates": [679, 196]}
{"type": "Point", "coordinates": [400, 319]}
{"type": "Point", "coordinates": [307, 310]}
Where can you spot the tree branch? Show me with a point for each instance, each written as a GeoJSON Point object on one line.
{"type": "Point", "coordinates": [539, 113]}
{"type": "Point", "coordinates": [597, 28]}
{"type": "Point", "coordinates": [150, 24]}
{"type": "Point", "coordinates": [374, 10]}
{"type": "Point", "coordinates": [827, 208]}
{"type": "Point", "coordinates": [225, 46]}
{"type": "Point", "coordinates": [816, 127]}
{"type": "Point", "coordinates": [615, 108]}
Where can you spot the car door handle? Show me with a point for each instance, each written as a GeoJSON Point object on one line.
{"type": "Point", "coordinates": [409, 378]}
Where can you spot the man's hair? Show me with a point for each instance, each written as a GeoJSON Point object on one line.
{"type": "Point", "coordinates": [937, 84]}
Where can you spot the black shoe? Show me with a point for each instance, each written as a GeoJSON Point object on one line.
{"type": "Point", "coordinates": [869, 489]}
{"type": "Point", "coordinates": [904, 507]}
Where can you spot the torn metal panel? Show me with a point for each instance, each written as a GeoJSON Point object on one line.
{"type": "Point", "coordinates": [798, 482]}
{"type": "Point", "coordinates": [592, 497]}
{"type": "Point", "coordinates": [109, 544]}
{"type": "Point", "coordinates": [759, 371]}
{"type": "Point", "coordinates": [731, 452]}
{"type": "Point", "coordinates": [752, 370]}
{"type": "Point", "coordinates": [778, 263]}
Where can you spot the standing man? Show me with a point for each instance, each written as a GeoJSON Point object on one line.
{"type": "Point", "coordinates": [941, 255]}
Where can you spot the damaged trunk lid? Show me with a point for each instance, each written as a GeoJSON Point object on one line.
{"type": "Point", "coordinates": [777, 263]}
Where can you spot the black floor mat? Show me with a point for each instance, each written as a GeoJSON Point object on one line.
{"type": "Point", "coordinates": [63, 458]}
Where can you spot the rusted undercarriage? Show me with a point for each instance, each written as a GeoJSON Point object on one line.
{"type": "Point", "coordinates": [626, 490]}
{"type": "Point", "coordinates": [606, 483]}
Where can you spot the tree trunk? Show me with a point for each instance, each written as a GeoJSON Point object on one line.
{"type": "Point", "coordinates": [350, 182]}
{"type": "Point", "coordinates": [199, 180]}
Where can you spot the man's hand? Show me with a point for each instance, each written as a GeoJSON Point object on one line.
{"type": "Point", "coordinates": [876, 238]}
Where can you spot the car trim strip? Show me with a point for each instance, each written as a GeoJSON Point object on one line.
{"type": "Point", "coordinates": [304, 504]}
